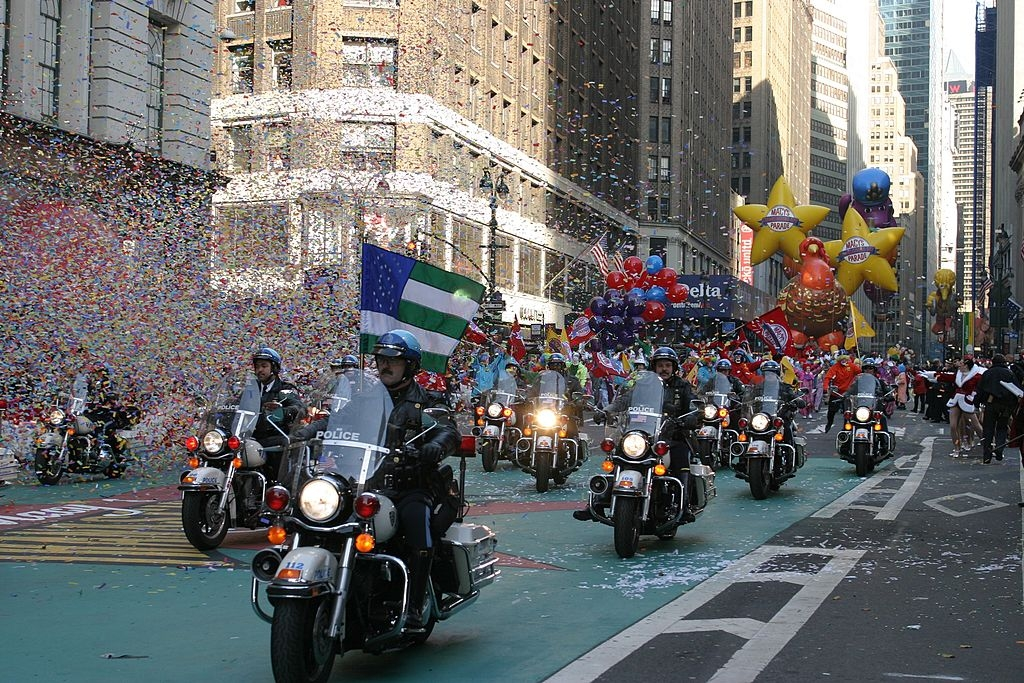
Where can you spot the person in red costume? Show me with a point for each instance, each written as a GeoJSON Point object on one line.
{"type": "Point", "coordinates": [744, 367]}
{"type": "Point", "coordinates": [963, 420]}
{"type": "Point", "coordinates": [837, 380]}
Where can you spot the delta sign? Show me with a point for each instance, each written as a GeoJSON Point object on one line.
{"type": "Point", "coordinates": [712, 298]}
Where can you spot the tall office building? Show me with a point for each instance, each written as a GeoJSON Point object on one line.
{"type": "Point", "coordinates": [496, 141]}
{"type": "Point", "coordinates": [771, 106]}
{"type": "Point", "coordinates": [684, 212]}
{"type": "Point", "coordinates": [830, 114]}
{"type": "Point", "coordinates": [914, 40]}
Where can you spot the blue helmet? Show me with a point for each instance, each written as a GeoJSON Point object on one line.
{"type": "Point", "coordinates": [723, 364]}
{"type": "Point", "coordinates": [345, 363]}
{"type": "Point", "coordinates": [399, 344]}
{"type": "Point", "coordinates": [267, 353]}
{"type": "Point", "coordinates": [665, 353]}
{"type": "Point", "coordinates": [556, 358]}
{"type": "Point", "coordinates": [771, 366]}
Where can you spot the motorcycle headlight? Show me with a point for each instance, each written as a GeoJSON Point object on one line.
{"type": "Point", "coordinates": [547, 418]}
{"type": "Point", "coordinates": [759, 422]}
{"type": "Point", "coordinates": [494, 410]}
{"type": "Point", "coordinates": [710, 412]}
{"type": "Point", "coordinates": [319, 500]}
{"type": "Point", "coordinates": [863, 414]}
{"type": "Point", "coordinates": [213, 442]}
{"type": "Point", "coordinates": [634, 445]}
{"type": "Point", "coordinates": [56, 417]}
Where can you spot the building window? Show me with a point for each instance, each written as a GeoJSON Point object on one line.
{"type": "Point", "coordinates": [666, 12]}
{"type": "Point", "coordinates": [666, 90]}
{"type": "Point", "coordinates": [241, 226]}
{"type": "Point", "coordinates": [529, 270]}
{"type": "Point", "coordinates": [245, 5]}
{"type": "Point", "coordinates": [277, 146]}
{"type": "Point", "coordinates": [664, 169]}
{"type": "Point", "coordinates": [664, 204]}
{"type": "Point", "coordinates": [281, 72]}
{"type": "Point", "coordinates": [239, 149]}
{"type": "Point", "coordinates": [666, 51]}
{"type": "Point", "coordinates": [652, 129]}
{"type": "Point", "coordinates": [655, 88]}
{"type": "Point", "coordinates": [367, 146]}
{"type": "Point", "coordinates": [49, 57]}
{"type": "Point", "coordinates": [652, 208]}
{"type": "Point", "coordinates": [368, 63]}
{"type": "Point", "coordinates": [652, 167]}
{"type": "Point", "coordinates": [666, 129]}
{"type": "Point", "coordinates": [654, 50]}
{"type": "Point", "coordinates": [155, 90]}
{"type": "Point", "coordinates": [241, 69]}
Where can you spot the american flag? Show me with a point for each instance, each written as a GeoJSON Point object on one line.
{"type": "Point", "coordinates": [985, 286]}
{"type": "Point", "coordinates": [601, 257]}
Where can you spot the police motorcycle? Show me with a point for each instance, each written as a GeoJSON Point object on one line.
{"type": "Point", "coordinates": [224, 484]}
{"type": "Point", "coordinates": [714, 437]}
{"type": "Point", "coordinates": [545, 449]}
{"type": "Point", "coordinates": [335, 578]}
{"type": "Point", "coordinates": [9, 463]}
{"type": "Point", "coordinates": [637, 492]}
{"type": "Point", "coordinates": [74, 437]}
{"type": "Point", "coordinates": [496, 429]}
{"type": "Point", "coordinates": [863, 441]}
{"type": "Point", "coordinates": [761, 454]}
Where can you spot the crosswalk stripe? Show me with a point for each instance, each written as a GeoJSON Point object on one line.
{"type": "Point", "coordinates": [151, 538]}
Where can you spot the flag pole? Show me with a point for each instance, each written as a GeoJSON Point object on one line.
{"type": "Point", "coordinates": [853, 322]}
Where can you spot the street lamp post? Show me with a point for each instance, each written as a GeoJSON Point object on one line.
{"type": "Point", "coordinates": [495, 190]}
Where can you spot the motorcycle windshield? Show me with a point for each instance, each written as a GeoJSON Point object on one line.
{"type": "Point", "coordinates": [79, 394]}
{"type": "Point", "coordinates": [354, 442]}
{"type": "Point", "coordinates": [504, 389]}
{"type": "Point", "coordinates": [863, 390]}
{"type": "Point", "coordinates": [767, 394]}
{"type": "Point", "coordinates": [645, 404]}
{"type": "Point", "coordinates": [551, 386]}
{"type": "Point", "coordinates": [719, 391]}
{"type": "Point", "coordinates": [234, 405]}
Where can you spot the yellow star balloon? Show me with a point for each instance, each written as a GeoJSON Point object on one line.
{"type": "Point", "coordinates": [780, 224]}
{"type": "Point", "coordinates": [861, 254]}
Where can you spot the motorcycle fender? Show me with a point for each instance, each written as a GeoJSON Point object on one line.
{"type": "Point", "coordinates": [707, 433]}
{"type": "Point", "coordinates": [490, 432]}
{"type": "Point", "coordinates": [862, 435]}
{"type": "Point", "coordinates": [307, 564]}
{"type": "Point", "coordinates": [205, 478]}
{"type": "Point", "coordinates": [49, 440]}
{"type": "Point", "coordinates": [630, 480]}
{"type": "Point", "coordinates": [545, 443]}
{"type": "Point", "coordinates": [757, 449]}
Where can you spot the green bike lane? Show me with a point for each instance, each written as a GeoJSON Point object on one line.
{"type": "Point", "coordinates": [563, 590]}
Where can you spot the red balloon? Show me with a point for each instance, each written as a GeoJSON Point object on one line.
{"type": "Point", "coordinates": [615, 279]}
{"type": "Point", "coordinates": [678, 293]}
{"type": "Point", "coordinates": [799, 339]}
{"type": "Point", "coordinates": [653, 310]}
{"type": "Point", "coordinates": [633, 265]}
{"type": "Point", "coordinates": [645, 281]}
{"type": "Point", "coordinates": [827, 341]}
{"type": "Point", "coordinates": [666, 277]}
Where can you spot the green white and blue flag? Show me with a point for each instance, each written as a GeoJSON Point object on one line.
{"type": "Point", "coordinates": [398, 292]}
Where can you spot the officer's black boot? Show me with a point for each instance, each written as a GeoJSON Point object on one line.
{"type": "Point", "coordinates": [419, 575]}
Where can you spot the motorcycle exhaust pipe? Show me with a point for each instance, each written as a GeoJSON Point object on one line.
{"type": "Point", "coordinates": [265, 564]}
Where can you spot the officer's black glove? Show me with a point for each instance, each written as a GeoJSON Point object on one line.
{"type": "Point", "coordinates": [800, 403]}
{"type": "Point", "coordinates": [600, 417]}
{"type": "Point", "coordinates": [431, 453]}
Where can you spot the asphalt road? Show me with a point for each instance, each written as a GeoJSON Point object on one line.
{"type": "Point", "coordinates": [912, 573]}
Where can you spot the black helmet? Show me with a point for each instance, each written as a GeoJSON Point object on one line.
{"type": "Point", "coordinates": [556, 359]}
{"type": "Point", "coordinates": [267, 353]}
{"type": "Point", "coordinates": [868, 364]}
{"type": "Point", "coordinates": [666, 352]}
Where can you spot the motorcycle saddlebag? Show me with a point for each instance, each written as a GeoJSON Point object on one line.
{"type": "Point", "coordinates": [466, 559]}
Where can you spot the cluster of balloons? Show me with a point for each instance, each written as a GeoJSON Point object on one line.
{"type": "Point", "coordinates": [636, 295]}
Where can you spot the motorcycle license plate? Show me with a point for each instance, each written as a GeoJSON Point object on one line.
{"type": "Point", "coordinates": [491, 430]}
{"type": "Point", "coordinates": [544, 442]}
{"type": "Point", "coordinates": [706, 433]}
{"type": "Point", "coordinates": [629, 480]}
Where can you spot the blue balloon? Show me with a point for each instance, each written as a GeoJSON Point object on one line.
{"type": "Point", "coordinates": [613, 323]}
{"type": "Point", "coordinates": [637, 291]}
{"type": "Point", "coordinates": [598, 306]}
{"type": "Point", "coordinates": [637, 323]}
{"type": "Point", "coordinates": [654, 264]}
{"type": "Point", "coordinates": [656, 293]}
{"type": "Point", "coordinates": [635, 306]}
{"type": "Point", "coordinates": [597, 323]}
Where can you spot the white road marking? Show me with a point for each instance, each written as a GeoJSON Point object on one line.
{"type": "Point", "coordinates": [920, 463]}
{"type": "Point", "coordinates": [764, 639]}
{"type": "Point", "coordinates": [937, 504]}
{"type": "Point", "coordinates": [930, 677]}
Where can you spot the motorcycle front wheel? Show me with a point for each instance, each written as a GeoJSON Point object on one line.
{"type": "Point", "coordinates": [489, 455]}
{"type": "Point", "coordinates": [862, 458]}
{"type": "Point", "coordinates": [543, 473]}
{"type": "Point", "coordinates": [627, 527]}
{"type": "Point", "coordinates": [205, 524]}
{"type": "Point", "coordinates": [759, 475]}
{"type": "Point", "coordinates": [300, 649]}
{"type": "Point", "coordinates": [49, 468]}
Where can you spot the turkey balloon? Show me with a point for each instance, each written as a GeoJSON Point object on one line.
{"type": "Point", "coordinates": [813, 301]}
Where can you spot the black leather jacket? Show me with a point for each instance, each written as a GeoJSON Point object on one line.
{"type": "Point", "coordinates": [407, 418]}
{"type": "Point", "coordinates": [287, 394]}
